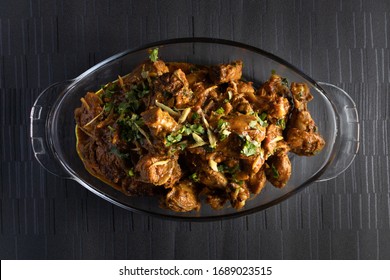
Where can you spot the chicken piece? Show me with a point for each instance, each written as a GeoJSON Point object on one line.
{"type": "Point", "coordinates": [301, 95]}
{"type": "Point", "coordinates": [149, 68]}
{"type": "Point", "coordinates": [245, 87]}
{"type": "Point", "coordinates": [212, 178]}
{"type": "Point", "coordinates": [91, 108]}
{"type": "Point", "coordinates": [302, 120]}
{"type": "Point", "coordinates": [174, 85]}
{"type": "Point", "coordinates": [182, 197]}
{"type": "Point", "coordinates": [272, 97]}
{"type": "Point", "coordinates": [158, 170]}
{"type": "Point", "coordinates": [225, 73]}
{"type": "Point", "coordinates": [276, 86]}
{"type": "Point", "coordinates": [279, 109]}
{"type": "Point", "coordinates": [253, 164]}
{"type": "Point", "coordinates": [217, 199]}
{"type": "Point", "coordinates": [184, 96]}
{"type": "Point", "coordinates": [302, 136]}
{"type": "Point", "coordinates": [273, 136]}
{"type": "Point", "coordinates": [247, 125]}
{"type": "Point", "coordinates": [186, 67]}
{"type": "Point", "coordinates": [159, 122]}
{"type": "Point", "coordinates": [241, 104]}
{"type": "Point", "coordinates": [304, 143]}
{"type": "Point", "coordinates": [279, 170]}
{"type": "Point", "coordinates": [257, 182]}
{"type": "Point", "coordinates": [238, 195]}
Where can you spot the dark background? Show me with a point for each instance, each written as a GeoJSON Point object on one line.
{"type": "Point", "coordinates": [342, 42]}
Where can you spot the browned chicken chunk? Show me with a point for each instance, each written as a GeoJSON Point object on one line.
{"type": "Point", "coordinates": [159, 122]}
{"type": "Point", "coordinates": [279, 170]}
{"type": "Point", "coordinates": [182, 197]}
{"type": "Point", "coordinates": [158, 170]}
{"type": "Point", "coordinates": [302, 136]}
{"type": "Point", "coordinates": [225, 73]}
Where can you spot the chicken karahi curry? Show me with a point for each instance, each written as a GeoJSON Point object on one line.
{"type": "Point", "coordinates": [185, 132]}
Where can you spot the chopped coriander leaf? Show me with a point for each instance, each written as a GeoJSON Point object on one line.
{"type": "Point", "coordinates": [182, 145]}
{"type": "Point", "coordinates": [222, 124]}
{"type": "Point", "coordinates": [281, 123]}
{"type": "Point", "coordinates": [274, 172]}
{"type": "Point", "coordinates": [108, 107]}
{"type": "Point", "coordinates": [220, 111]}
{"type": "Point", "coordinates": [250, 147]}
{"type": "Point", "coordinates": [130, 127]}
{"type": "Point", "coordinates": [122, 107]}
{"type": "Point", "coordinates": [194, 177]}
{"type": "Point", "coordinates": [195, 116]}
{"type": "Point", "coordinates": [223, 129]}
{"type": "Point", "coordinates": [262, 119]}
{"type": "Point", "coordinates": [234, 169]}
{"type": "Point", "coordinates": [285, 82]}
{"type": "Point", "coordinates": [263, 116]}
{"type": "Point", "coordinates": [190, 128]}
{"type": "Point", "coordinates": [154, 55]}
{"type": "Point", "coordinates": [223, 168]}
{"type": "Point", "coordinates": [111, 128]}
{"type": "Point", "coordinates": [131, 172]}
{"type": "Point", "coordinates": [172, 139]}
{"type": "Point", "coordinates": [197, 128]}
{"type": "Point", "coordinates": [235, 180]}
{"type": "Point", "coordinates": [109, 90]}
{"type": "Point", "coordinates": [224, 134]}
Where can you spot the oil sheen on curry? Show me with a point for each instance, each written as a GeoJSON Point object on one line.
{"type": "Point", "coordinates": [190, 133]}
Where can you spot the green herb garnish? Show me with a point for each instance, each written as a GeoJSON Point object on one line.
{"type": "Point", "coordinates": [109, 90]}
{"type": "Point", "coordinates": [195, 116]}
{"type": "Point", "coordinates": [172, 139]}
{"type": "Point", "coordinates": [262, 119]}
{"type": "Point", "coordinates": [194, 177]}
{"type": "Point", "coordinates": [154, 55]}
{"type": "Point", "coordinates": [123, 107]}
{"type": "Point", "coordinates": [281, 123]}
{"type": "Point", "coordinates": [285, 82]}
{"type": "Point", "coordinates": [250, 147]}
{"type": "Point", "coordinates": [274, 172]}
{"type": "Point", "coordinates": [220, 111]}
{"type": "Point", "coordinates": [108, 107]}
{"type": "Point", "coordinates": [223, 129]}
{"type": "Point", "coordinates": [130, 128]}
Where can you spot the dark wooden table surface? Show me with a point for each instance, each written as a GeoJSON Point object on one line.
{"type": "Point", "coordinates": [342, 42]}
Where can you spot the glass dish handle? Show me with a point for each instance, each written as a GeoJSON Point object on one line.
{"type": "Point", "coordinates": [347, 141]}
{"type": "Point", "coordinates": [39, 129]}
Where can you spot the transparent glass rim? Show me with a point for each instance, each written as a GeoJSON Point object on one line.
{"type": "Point", "coordinates": [174, 215]}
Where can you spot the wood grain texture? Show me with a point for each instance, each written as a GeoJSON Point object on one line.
{"type": "Point", "coordinates": [342, 42]}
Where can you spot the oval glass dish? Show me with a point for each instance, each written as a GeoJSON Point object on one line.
{"type": "Point", "coordinates": [53, 125]}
